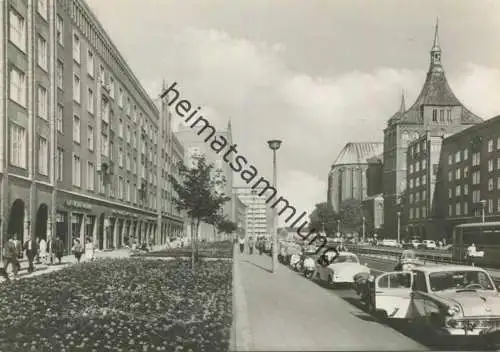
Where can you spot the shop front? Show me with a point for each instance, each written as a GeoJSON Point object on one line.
{"type": "Point", "coordinates": [73, 221]}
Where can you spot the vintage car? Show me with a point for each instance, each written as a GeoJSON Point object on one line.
{"type": "Point", "coordinates": [341, 269]}
{"type": "Point", "coordinates": [407, 261]}
{"type": "Point", "coordinates": [305, 261]}
{"type": "Point", "coordinates": [442, 300]}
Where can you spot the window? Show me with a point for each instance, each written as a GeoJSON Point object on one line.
{"type": "Point", "coordinates": [450, 176]}
{"type": "Point", "coordinates": [17, 86]}
{"type": "Point", "coordinates": [424, 179]}
{"type": "Point", "coordinates": [424, 194]}
{"type": "Point", "coordinates": [120, 128]}
{"type": "Point", "coordinates": [90, 138]}
{"type": "Point", "coordinates": [76, 88]}
{"type": "Point", "coordinates": [417, 167]}
{"type": "Point", "coordinates": [490, 205]}
{"type": "Point", "coordinates": [466, 189]}
{"type": "Point", "coordinates": [76, 47]}
{"type": "Point", "coordinates": [498, 204]}
{"type": "Point", "coordinates": [128, 133]}
{"type": "Point", "coordinates": [59, 117]}
{"type": "Point", "coordinates": [43, 156]}
{"type": "Point", "coordinates": [476, 178]}
{"type": "Point", "coordinates": [90, 101]}
{"type": "Point", "coordinates": [104, 144]}
{"type": "Point", "coordinates": [59, 74]}
{"type": "Point", "coordinates": [120, 187]}
{"type": "Point", "coordinates": [111, 87]}
{"type": "Point", "coordinates": [466, 172]}
{"type": "Point", "coordinates": [449, 115]}
{"type": "Point", "coordinates": [90, 176]}
{"type": "Point", "coordinates": [466, 154]}
{"type": "Point", "coordinates": [490, 145]}
{"type": "Point", "coordinates": [457, 191]}
{"type": "Point", "coordinates": [120, 157]}
{"type": "Point", "coordinates": [42, 52]}
{"type": "Point", "coordinates": [42, 102]}
{"type": "Point", "coordinates": [476, 159]}
{"type": "Point", "coordinates": [76, 129]}
{"type": "Point", "coordinates": [17, 30]}
{"type": "Point", "coordinates": [441, 115]}
{"type": "Point", "coordinates": [42, 8]}
{"type": "Point", "coordinates": [120, 98]}
{"type": "Point", "coordinates": [457, 208]}
{"type": "Point", "coordinates": [450, 210]}
{"type": "Point", "coordinates": [59, 30]}
{"type": "Point", "coordinates": [450, 159]}
{"type": "Point", "coordinates": [77, 171]}
{"type": "Point", "coordinates": [90, 63]}
{"type": "Point", "coordinates": [466, 208]}
{"type": "Point", "coordinates": [434, 115]}
{"type": "Point", "coordinates": [102, 74]}
{"type": "Point", "coordinates": [128, 191]}
{"type": "Point", "coordinates": [424, 163]}
{"type": "Point", "coordinates": [457, 157]}
{"type": "Point", "coordinates": [411, 168]}
{"type": "Point", "coordinates": [60, 164]}
{"type": "Point", "coordinates": [490, 185]}
{"type": "Point", "coordinates": [17, 146]}
{"type": "Point", "coordinates": [490, 165]}
{"type": "Point", "coordinates": [457, 174]}
{"type": "Point", "coordinates": [476, 196]}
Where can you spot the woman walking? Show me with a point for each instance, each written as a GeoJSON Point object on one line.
{"type": "Point", "coordinates": [43, 251]}
{"type": "Point", "coordinates": [77, 250]}
{"type": "Point", "coordinates": [241, 241]}
{"type": "Point", "coordinates": [89, 250]}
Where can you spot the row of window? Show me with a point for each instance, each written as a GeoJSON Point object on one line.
{"type": "Point", "coordinates": [418, 196]}
{"type": "Point", "coordinates": [415, 167]}
{"type": "Point", "coordinates": [417, 213]}
{"type": "Point", "coordinates": [442, 113]}
{"type": "Point", "coordinates": [463, 155]}
{"type": "Point", "coordinates": [417, 181]}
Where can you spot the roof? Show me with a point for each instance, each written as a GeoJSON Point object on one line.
{"type": "Point", "coordinates": [358, 153]}
{"type": "Point", "coordinates": [437, 268]}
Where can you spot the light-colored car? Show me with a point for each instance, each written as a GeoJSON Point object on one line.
{"type": "Point", "coordinates": [445, 300]}
{"type": "Point", "coordinates": [416, 243]}
{"type": "Point", "coordinates": [341, 270]}
{"type": "Point", "coordinates": [428, 244]}
{"type": "Point", "coordinates": [390, 243]}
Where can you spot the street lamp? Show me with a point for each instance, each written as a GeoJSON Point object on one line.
{"type": "Point", "coordinates": [364, 220]}
{"type": "Point", "coordinates": [399, 226]}
{"type": "Point", "coordinates": [323, 226]}
{"type": "Point", "coordinates": [483, 206]}
{"type": "Point", "coordinates": [338, 227]}
{"type": "Point", "coordinates": [275, 145]}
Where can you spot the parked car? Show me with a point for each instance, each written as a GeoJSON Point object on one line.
{"type": "Point", "coordinates": [390, 243]}
{"type": "Point", "coordinates": [429, 244]}
{"type": "Point", "coordinates": [444, 301]}
{"type": "Point", "coordinates": [416, 244]}
{"type": "Point", "coordinates": [342, 269]}
{"type": "Point", "coordinates": [407, 261]}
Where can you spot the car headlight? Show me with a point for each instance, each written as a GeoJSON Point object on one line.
{"type": "Point", "coordinates": [453, 311]}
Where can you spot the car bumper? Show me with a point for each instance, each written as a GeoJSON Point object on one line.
{"type": "Point", "coordinates": [483, 328]}
{"type": "Point", "coordinates": [343, 279]}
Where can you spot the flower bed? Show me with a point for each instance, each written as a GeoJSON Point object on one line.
{"type": "Point", "coordinates": [222, 249]}
{"type": "Point", "coordinates": [120, 305]}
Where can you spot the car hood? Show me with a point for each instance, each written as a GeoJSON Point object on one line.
{"type": "Point", "coordinates": [356, 267]}
{"type": "Point", "coordinates": [478, 303]}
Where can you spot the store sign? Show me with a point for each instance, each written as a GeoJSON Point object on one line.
{"type": "Point", "coordinates": [77, 205]}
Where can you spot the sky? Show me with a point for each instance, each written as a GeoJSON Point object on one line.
{"type": "Point", "coordinates": [316, 74]}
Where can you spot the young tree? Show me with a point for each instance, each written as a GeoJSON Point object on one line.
{"type": "Point", "coordinates": [226, 226]}
{"type": "Point", "coordinates": [351, 214]}
{"type": "Point", "coordinates": [199, 194]}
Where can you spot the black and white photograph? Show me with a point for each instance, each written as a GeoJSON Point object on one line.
{"type": "Point", "coordinates": [249, 175]}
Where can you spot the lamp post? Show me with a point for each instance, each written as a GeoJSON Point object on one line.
{"type": "Point", "coordinates": [338, 227]}
{"type": "Point", "coordinates": [483, 206]}
{"type": "Point", "coordinates": [364, 227]}
{"type": "Point", "coordinates": [399, 226]}
{"type": "Point", "coordinates": [323, 226]}
{"type": "Point", "coordinates": [275, 145]}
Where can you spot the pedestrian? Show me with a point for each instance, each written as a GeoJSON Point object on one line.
{"type": "Point", "coordinates": [241, 241]}
{"type": "Point", "coordinates": [58, 248]}
{"type": "Point", "coordinates": [37, 260]}
{"type": "Point", "coordinates": [250, 245]}
{"type": "Point", "coordinates": [19, 250]}
{"type": "Point", "coordinates": [43, 251]}
{"type": "Point", "coordinates": [471, 252]}
{"type": "Point", "coordinates": [10, 256]}
{"type": "Point", "coordinates": [77, 250]}
{"type": "Point", "coordinates": [31, 251]}
{"type": "Point", "coordinates": [89, 250]}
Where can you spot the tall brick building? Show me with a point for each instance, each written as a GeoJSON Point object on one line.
{"type": "Point", "coordinates": [436, 110]}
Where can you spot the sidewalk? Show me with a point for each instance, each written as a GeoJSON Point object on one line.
{"type": "Point", "coordinates": [285, 311]}
{"type": "Point", "coordinates": [41, 269]}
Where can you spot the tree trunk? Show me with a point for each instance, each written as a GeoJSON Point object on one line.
{"type": "Point", "coordinates": [193, 229]}
{"type": "Point", "coordinates": [197, 234]}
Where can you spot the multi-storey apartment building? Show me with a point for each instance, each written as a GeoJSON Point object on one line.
{"type": "Point", "coordinates": [259, 216]}
{"type": "Point", "coordinates": [240, 213]}
{"type": "Point", "coordinates": [421, 209]}
{"type": "Point", "coordinates": [469, 176]}
{"type": "Point", "coordinates": [435, 109]}
{"type": "Point", "coordinates": [82, 141]}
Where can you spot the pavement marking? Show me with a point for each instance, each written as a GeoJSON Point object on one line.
{"type": "Point", "coordinates": [242, 337]}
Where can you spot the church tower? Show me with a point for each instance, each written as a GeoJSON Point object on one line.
{"type": "Point", "coordinates": [436, 110]}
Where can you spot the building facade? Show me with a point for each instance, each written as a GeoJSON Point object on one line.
{"type": "Point", "coordinates": [423, 214]}
{"type": "Point", "coordinates": [347, 177]}
{"type": "Point", "coordinates": [81, 138]}
{"type": "Point", "coordinates": [240, 214]}
{"type": "Point", "coordinates": [437, 110]}
{"type": "Point", "coordinates": [259, 216]}
{"type": "Point", "coordinates": [469, 176]}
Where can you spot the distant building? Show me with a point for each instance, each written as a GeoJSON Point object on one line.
{"type": "Point", "coordinates": [469, 177]}
{"type": "Point", "coordinates": [258, 214]}
{"type": "Point", "coordinates": [240, 214]}
{"type": "Point", "coordinates": [422, 212]}
{"type": "Point", "coordinates": [436, 109]}
{"type": "Point", "coordinates": [347, 177]}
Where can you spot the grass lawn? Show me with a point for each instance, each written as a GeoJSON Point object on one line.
{"type": "Point", "coordinates": [120, 305]}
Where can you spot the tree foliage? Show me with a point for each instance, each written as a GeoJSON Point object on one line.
{"type": "Point", "coordinates": [226, 226]}
{"type": "Point", "coordinates": [351, 214]}
{"type": "Point", "coordinates": [323, 214]}
{"type": "Point", "coordinates": [199, 195]}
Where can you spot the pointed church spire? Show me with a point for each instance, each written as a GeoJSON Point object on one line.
{"type": "Point", "coordinates": [436, 52]}
{"type": "Point", "coordinates": [402, 108]}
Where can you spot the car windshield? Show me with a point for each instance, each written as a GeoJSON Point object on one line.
{"type": "Point", "coordinates": [347, 258]}
{"type": "Point", "coordinates": [460, 280]}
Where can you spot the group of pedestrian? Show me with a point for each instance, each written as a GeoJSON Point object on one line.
{"type": "Point", "coordinates": [250, 243]}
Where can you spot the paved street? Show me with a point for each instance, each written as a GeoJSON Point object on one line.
{"type": "Point", "coordinates": [284, 311]}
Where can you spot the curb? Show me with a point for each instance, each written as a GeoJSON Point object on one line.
{"type": "Point", "coordinates": [241, 338]}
